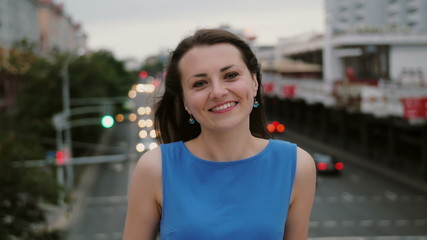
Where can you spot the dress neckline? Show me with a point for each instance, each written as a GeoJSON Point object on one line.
{"type": "Point", "coordinates": [228, 163]}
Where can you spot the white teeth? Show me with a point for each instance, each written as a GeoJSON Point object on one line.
{"type": "Point", "coordinates": [222, 107]}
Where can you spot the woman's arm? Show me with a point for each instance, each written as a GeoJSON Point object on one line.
{"type": "Point", "coordinates": [302, 198]}
{"type": "Point", "coordinates": [144, 198]}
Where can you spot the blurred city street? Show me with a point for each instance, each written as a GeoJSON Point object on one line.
{"type": "Point", "coordinates": [360, 203]}
{"type": "Point", "coordinates": [346, 80]}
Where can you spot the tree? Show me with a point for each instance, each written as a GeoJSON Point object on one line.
{"type": "Point", "coordinates": [27, 132]}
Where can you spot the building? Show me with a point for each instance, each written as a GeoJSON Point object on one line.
{"type": "Point", "coordinates": [18, 21]}
{"type": "Point", "coordinates": [371, 98]}
{"type": "Point", "coordinates": [366, 40]}
{"type": "Point", "coordinates": [42, 24]}
{"type": "Point", "coordinates": [58, 32]}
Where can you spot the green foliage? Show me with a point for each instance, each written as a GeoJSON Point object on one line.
{"type": "Point", "coordinates": [27, 132]}
{"type": "Point", "coordinates": [22, 191]}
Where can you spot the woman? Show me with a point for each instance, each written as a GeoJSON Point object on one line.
{"type": "Point", "coordinates": [218, 175]}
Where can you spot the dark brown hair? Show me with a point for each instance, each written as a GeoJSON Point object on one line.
{"type": "Point", "coordinates": [171, 118]}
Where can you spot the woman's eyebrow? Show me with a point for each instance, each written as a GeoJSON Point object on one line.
{"type": "Point", "coordinates": [225, 68]}
{"type": "Point", "coordinates": [205, 75]}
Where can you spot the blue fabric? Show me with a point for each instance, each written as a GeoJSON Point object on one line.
{"type": "Point", "coordinates": [244, 199]}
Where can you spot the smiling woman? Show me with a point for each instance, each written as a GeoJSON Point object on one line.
{"type": "Point", "coordinates": [217, 173]}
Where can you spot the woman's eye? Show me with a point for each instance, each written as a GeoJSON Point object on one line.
{"type": "Point", "coordinates": [198, 84]}
{"type": "Point", "coordinates": [231, 75]}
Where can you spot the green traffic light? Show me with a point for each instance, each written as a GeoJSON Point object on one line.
{"type": "Point", "coordinates": [107, 121]}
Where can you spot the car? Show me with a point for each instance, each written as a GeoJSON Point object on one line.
{"type": "Point", "coordinates": [326, 163]}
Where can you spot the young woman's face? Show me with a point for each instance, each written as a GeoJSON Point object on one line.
{"type": "Point", "coordinates": [217, 86]}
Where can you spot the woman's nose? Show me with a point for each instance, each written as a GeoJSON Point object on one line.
{"type": "Point", "coordinates": [218, 91]}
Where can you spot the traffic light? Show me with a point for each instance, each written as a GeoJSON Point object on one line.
{"type": "Point", "coordinates": [143, 74]}
{"type": "Point", "coordinates": [60, 157]}
{"type": "Point", "coordinates": [107, 121]}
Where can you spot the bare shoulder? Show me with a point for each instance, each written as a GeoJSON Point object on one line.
{"type": "Point", "coordinates": [147, 175]}
{"type": "Point", "coordinates": [302, 197]}
{"type": "Point", "coordinates": [305, 162]}
{"type": "Point", "coordinates": [305, 176]}
{"type": "Point", "coordinates": [150, 162]}
{"type": "Point", "coordinates": [144, 198]}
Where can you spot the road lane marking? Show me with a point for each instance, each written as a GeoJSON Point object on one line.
{"type": "Point", "coordinates": [101, 236]}
{"type": "Point", "coordinates": [106, 199]}
{"type": "Point", "coordinates": [347, 197]}
{"type": "Point", "coordinates": [420, 222]}
{"type": "Point", "coordinates": [371, 238]}
{"type": "Point", "coordinates": [384, 223]}
{"type": "Point", "coordinates": [366, 223]}
{"type": "Point", "coordinates": [369, 223]}
{"type": "Point", "coordinates": [402, 222]}
{"type": "Point", "coordinates": [391, 196]}
{"type": "Point", "coordinates": [314, 224]}
{"type": "Point", "coordinates": [330, 223]}
{"type": "Point", "coordinates": [348, 223]}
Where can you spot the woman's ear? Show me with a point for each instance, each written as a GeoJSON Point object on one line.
{"type": "Point", "coordinates": [186, 108]}
{"type": "Point", "coordinates": [255, 83]}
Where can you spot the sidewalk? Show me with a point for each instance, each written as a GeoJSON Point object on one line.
{"type": "Point", "coordinates": [358, 160]}
{"type": "Point", "coordinates": [62, 217]}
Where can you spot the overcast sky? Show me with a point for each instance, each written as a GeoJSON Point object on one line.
{"type": "Point", "coordinates": [139, 28]}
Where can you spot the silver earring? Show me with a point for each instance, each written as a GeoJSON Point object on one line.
{"type": "Point", "coordinates": [256, 103]}
{"type": "Point", "coordinates": [191, 120]}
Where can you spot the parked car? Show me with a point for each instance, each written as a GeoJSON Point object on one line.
{"type": "Point", "coordinates": [326, 163]}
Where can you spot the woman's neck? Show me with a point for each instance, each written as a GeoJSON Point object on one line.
{"type": "Point", "coordinates": [226, 146]}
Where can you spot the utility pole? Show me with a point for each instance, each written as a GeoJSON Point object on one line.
{"type": "Point", "coordinates": [66, 110]}
{"type": "Point", "coordinates": [68, 147]}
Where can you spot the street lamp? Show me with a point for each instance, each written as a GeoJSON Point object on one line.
{"type": "Point", "coordinates": [68, 148]}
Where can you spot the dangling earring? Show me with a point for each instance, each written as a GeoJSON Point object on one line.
{"type": "Point", "coordinates": [191, 120]}
{"type": "Point", "coordinates": [256, 103]}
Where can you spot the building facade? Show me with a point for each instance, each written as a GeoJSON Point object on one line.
{"type": "Point", "coordinates": [17, 21]}
{"type": "Point", "coordinates": [382, 39]}
{"type": "Point", "coordinates": [367, 40]}
{"type": "Point", "coordinates": [58, 32]}
{"type": "Point", "coordinates": [42, 24]}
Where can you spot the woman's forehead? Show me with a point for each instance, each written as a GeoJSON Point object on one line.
{"type": "Point", "coordinates": [210, 55]}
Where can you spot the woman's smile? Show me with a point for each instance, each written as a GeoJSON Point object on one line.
{"type": "Point", "coordinates": [223, 107]}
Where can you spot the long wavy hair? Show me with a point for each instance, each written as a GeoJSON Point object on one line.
{"type": "Point", "coordinates": [171, 118]}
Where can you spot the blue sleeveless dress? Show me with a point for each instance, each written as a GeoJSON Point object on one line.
{"type": "Point", "coordinates": [243, 199]}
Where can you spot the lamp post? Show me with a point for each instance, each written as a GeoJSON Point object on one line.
{"type": "Point", "coordinates": [68, 148]}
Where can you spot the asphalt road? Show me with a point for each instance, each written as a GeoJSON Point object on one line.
{"type": "Point", "coordinates": [364, 202]}
{"type": "Point", "coordinates": [359, 204]}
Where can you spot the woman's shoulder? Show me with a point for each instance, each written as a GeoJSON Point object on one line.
{"type": "Point", "coordinates": [150, 164]}
{"type": "Point", "coordinates": [306, 169]}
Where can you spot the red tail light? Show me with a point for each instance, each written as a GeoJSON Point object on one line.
{"type": "Point", "coordinates": [271, 128]}
{"type": "Point", "coordinates": [280, 128]}
{"type": "Point", "coordinates": [322, 166]}
{"type": "Point", "coordinates": [339, 166]}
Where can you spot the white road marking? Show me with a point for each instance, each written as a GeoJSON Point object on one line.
{"type": "Point", "coordinates": [330, 223]}
{"type": "Point", "coordinates": [369, 223]}
{"type": "Point", "coordinates": [384, 223]}
{"type": "Point", "coordinates": [101, 236]}
{"type": "Point", "coordinates": [391, 196]}
{"type": "Point", "coordinates": [347, 197]}
{"type": "Point", "coordinates": [420, 222]}
{"type": "Point", "coordinates": [314, 224]}
{"type": "Point", "coordinates": [372, 238]}
{"type": "Point", "coordinates": [402, 223]}
{"type": "Point", "coordinates": [348, 223]}
{"type": "Point", "coordinates": [106, 199]}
